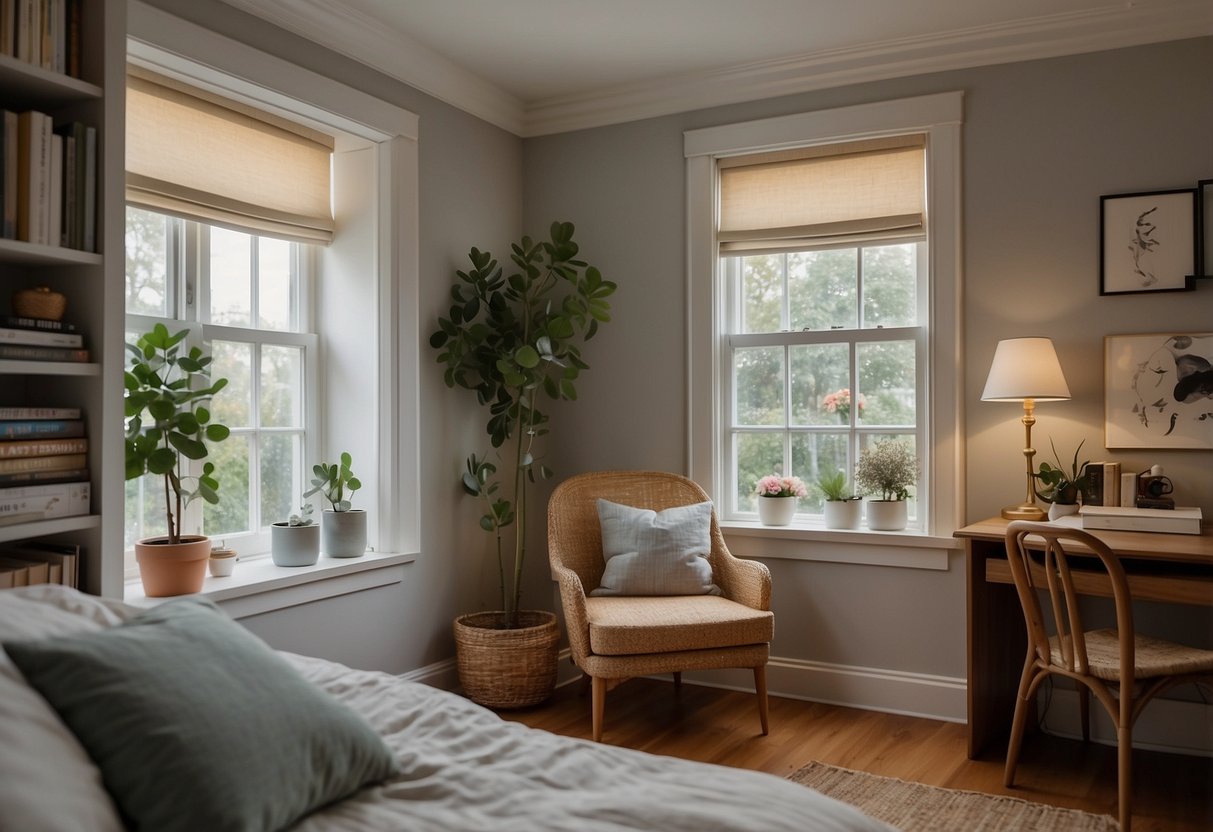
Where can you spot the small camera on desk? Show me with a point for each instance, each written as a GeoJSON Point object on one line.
{"type": "Point", "coordinates": [1153, 488]}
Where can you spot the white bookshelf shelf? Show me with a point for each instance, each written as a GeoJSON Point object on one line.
{"type": "Point", "coordinates": [33, 83]}
{"type": "Point", "coordinates": [36, 254]}
{"type": "Point", "coordinates": [21, 531]}
{"type": "Point", "coordinates": [49, 368]}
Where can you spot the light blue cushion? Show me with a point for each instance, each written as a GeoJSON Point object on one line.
{"type": "Point", "coordinates": [656, 553]}
{"type": "Point", "coordinates": [196, 724]}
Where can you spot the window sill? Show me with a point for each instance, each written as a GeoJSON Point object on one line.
{"type": "Point", "coordinates": [258, 585]}
{"type": "Point", "coordinates": [906, 550]}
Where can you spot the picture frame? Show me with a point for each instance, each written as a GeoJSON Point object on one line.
{"type": "Point", "coordinates": [1158, 391]}
{"type": "Point", "coordinates": [1148, 242]}
{"type": "Point", "coordinates": [1204, 228]}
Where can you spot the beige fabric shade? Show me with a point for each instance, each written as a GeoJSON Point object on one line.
{"type": "Point", "coordinates": [814, 196]}
{"type": "Point", "coordinates": [198, 156]}
{"type": "Point", "coordinates": [1025, 368]}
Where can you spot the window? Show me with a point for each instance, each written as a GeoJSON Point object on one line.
{"type": "Point", "coordinates": [243, 297]}
{"type": "Point", "coordinates": [823, 300]}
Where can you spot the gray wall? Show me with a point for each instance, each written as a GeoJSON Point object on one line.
{"type": "Point", "coordinates": [1042, 141]}
{"type": "Point", "coordinates": [470, 194]}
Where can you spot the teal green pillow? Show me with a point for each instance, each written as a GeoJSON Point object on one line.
{"type": "Point", "coordinates": [196, 724]}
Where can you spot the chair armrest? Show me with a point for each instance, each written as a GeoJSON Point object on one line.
{"type": "Point", "coordinates": [576, 621]}
{"type": "Point", "coordinates": [744, 581]}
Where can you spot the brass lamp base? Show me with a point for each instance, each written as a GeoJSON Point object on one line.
{"type": "Point", "coordinates": [1024, 511]}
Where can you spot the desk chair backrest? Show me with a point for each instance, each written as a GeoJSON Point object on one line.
{"type": "Point", "coordinates": [1040, 562]}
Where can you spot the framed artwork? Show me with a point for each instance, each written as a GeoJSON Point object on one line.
{"type": "Point", "coordinates": [1204, 228]}
{"type": "Point", "coordinates": [1158, 391]}
{"type": "Point", "coordinates": [1147, 242]}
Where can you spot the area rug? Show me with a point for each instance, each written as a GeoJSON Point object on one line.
{"type": "Point", "coordinates": [915, 807]}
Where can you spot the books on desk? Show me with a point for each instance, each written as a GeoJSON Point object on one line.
{"type": "Point", "coordinates": [1178, 520]}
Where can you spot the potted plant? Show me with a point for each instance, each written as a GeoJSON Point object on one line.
{"type": "Point", "coordinates": [342, 528]}
{"type": "Point", "coordinates": [888, 468]}
{"type": "Point", "coordinates": [842, 506]}
{"type": "Point", "coordinates": [777, 497]}
{"type": "Point", "coordinates": [1061, 489]}
{"type": "Point", "coordinates": [168, 426]}
{"type": "Point", "coordinates": [512, 340]}
{"type": "Point", "coordinates": [295, 541]}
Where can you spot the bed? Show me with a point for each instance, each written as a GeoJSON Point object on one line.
{"type": "Point", "coordinates": [457, 766]}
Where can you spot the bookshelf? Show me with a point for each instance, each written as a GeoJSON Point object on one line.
{"type": "Point", "coordinates": [93, 283]}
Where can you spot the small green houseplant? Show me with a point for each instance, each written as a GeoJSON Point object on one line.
{"type": "Point", "coordinates": [888, 468]}
{"type": "Point", "coordinates": [512, 340]}
{"type": "Point", "coordinates": [842, 505]}
{"type": "Point", "coordinates": [342, 528]}
{"type": "Point", "coordinates": [1059, 487]}
{"type": "Point", "coordinates": [168, 427]}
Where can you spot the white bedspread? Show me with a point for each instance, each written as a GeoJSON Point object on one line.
{"type": "Point", "coordinates": [464, 768]}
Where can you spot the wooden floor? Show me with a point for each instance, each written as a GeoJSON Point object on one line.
{"type": "Point", "coordinates": [1172, 792]}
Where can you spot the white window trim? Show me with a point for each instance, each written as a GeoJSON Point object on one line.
{"type": "Point", "coordinates": [180, 49]}
{"type": "Point", "coordinates": [939, 117]}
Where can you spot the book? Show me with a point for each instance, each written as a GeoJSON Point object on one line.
{"type": "Point", "coordinates": [28, 504]}
{"type": "Point", "coordinates": [51, 446]}
{"type": "Point", "coordinates": [11, 156]}
{"type": "Point", "coordinates": [1111, 483]}
{"type": "Point", "coordinates": [35, 572]}
{"type": "Point", "coordinates": [1179, 520]}
{"type": "Point", "coordinates": [1092, 492]}
{"type": "Point", "coordinates": [88, 211]}
{"type": "Point", "coordinates": [54, 187]}
{"type": "Point", "coordinates": [65, 558]}
{"type": "Point", "coordinates": [1128, 490]}
{"type": "Point", "coordinates": [8, 20]}
{"type": "Point", "coordinates": [33, 176]}
{"type": "Point", "coordinates": [44, 477]}
{"type": "Point", "coordinates": [9, 413]}
{"type": "Point", "coordinates": [17, 322]}
{"type": "Point", "coordinates": [21, 352]}
{"type": "Point", "coordinates": [41, 337]}
{"type": "Point", "coordinates": [41, 428]}
{"type": "Point", "coordinates": [60, 462]}
{"type": "Point", "coordinates": [13, 575]}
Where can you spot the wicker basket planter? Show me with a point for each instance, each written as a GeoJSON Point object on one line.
{"type": "Point", "coordinates": [501, 668]}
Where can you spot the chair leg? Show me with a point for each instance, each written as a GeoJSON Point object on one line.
{"type": "Point", "coordinates": [760, 690]}
{"type": "Point", "coordinates": [1124, 761]}
{"type": "Point", "coordinates": [598, 705]}
{"type": "Point", "coordinates": [1019, 722]}
{"type": "Point", "coordinates": [1084, 711]}
{"type": "Point", "coordinates": [677, 681]}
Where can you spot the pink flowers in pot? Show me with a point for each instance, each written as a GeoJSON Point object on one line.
{"type": "Point", "coordinates": [840, 402]}
{"type": "Point", "coordinates": [773, 485]}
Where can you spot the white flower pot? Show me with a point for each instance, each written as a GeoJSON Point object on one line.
{"type": "Point", "coordinates": [843, 514]}
{"type": "Point", "coordinates": [343, 533]}
{"type": "Point", "coordinates": [776, 511]}
{"type": "Point", "coordinates": [294, 545]}
{"type": "Point", "coordinates": [887, 515]}
{"type": "Point", "coordinates": [1057, 510]}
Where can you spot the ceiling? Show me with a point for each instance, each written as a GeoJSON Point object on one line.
{"type": "Point", "coordinates": [542, 66]}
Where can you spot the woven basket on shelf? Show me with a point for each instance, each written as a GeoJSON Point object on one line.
{"type": "Point", "coordinates": [501, 668]}
{"type": "Point", "coordinates": [39, 303]}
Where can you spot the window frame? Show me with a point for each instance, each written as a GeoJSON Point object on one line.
{"type": "Point", "coordinates": [938, 116]}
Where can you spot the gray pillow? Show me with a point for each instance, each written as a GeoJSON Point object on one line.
{"type": "Point", "coordinates": [656, 553]}
{"type": "Point", "coordinates": [196, 724]}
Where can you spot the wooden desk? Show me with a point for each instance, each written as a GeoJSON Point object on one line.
{"type": "Point", "coordinates": [1174, 568]}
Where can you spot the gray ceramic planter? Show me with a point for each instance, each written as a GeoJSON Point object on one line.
{"type": "Point", "coordinates": [294, 545]}
{"type": "Point", "coordinates": [343, 533]}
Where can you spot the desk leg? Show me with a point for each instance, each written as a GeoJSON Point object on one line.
{"type": "Point", "coordinates": [997, 642]}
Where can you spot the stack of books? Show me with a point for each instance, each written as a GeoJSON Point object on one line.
{"type": "Point", "coordinates": [48, 179]}
{"type": "Point", "coordinates": [1178, 520]}
{"type": "Point", "coordinates": [36, 562]}
{"type": "Point", "coordinates": [43, 464]}
{"type": "Point", "coordinates": [35, 339]}
{"type": "Point", "coordinates": [44, 33]}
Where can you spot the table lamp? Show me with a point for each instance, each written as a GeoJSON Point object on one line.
{"type": "Point", "coordinates": [1026, 370]}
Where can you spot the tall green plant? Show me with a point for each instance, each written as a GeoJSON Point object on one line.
{"type": "Point", "coordinates": [167, 420]}
{"type": "Point", "coordinates": [511, 339]}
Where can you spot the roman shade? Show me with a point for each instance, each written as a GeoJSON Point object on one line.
{"type": "Point", "coordinates": [789, 200]}
{"type": "Point", "coordinates": [196, 155]}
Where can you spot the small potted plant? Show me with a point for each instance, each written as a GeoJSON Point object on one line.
{"type": "Point", "coordinates": [842, 506]}
{"type": "Point", "coordinates": [777, 498]}
{"type": "Point", "coordinates": [888, 468]}
{"type": "Point", "coordinates": [1061, 489]}
{"type": "Point", "coordinates": [296, 541]}
{"type": "Point", "coordinates": [168, 426]}
{"type": "Point", "coordinates": [342, 528]}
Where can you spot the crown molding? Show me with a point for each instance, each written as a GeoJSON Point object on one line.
{"type": "Point", "coordinates": [337, 26]}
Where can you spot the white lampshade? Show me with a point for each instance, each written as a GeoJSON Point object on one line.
{"type": "Point", "coordinates": [1025, 368]}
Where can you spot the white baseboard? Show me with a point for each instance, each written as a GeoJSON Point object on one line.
{"type": "Point", "coordinates": [1169, 725]}
{"type": "Point", "coordinates": [443, 674]}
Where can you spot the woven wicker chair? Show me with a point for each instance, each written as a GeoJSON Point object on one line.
{"type": "Point", "coordinates": [615, 638]}
{"type": "Point", "coordinates": [1098, 660]}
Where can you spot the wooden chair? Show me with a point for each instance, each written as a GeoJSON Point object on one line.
{"type": "Point", "coordinates": [1123, 669]}
{"type": "Point", "coordinates": [612, 639]}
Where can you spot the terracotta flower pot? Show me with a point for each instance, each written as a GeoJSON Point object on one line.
{"type": "Point", "coordinates": [172, 568]}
